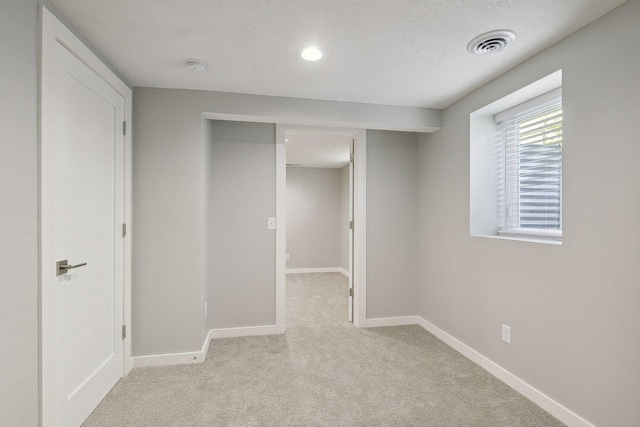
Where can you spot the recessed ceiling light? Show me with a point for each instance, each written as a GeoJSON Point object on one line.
{"type": "Point", "coordinates": [311, 53]}
{"type": "Point", "coordinates": [195, 66]}
{"type": "Point", "coordinates": [491, 42]}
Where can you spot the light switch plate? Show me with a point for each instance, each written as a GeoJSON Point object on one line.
{"type": "Point", "coordinates": [271, 223]}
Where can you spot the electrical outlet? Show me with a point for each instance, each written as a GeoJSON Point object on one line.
{"type": "Point", "coordinates": [205, 310]}
{"type": "Point", "coordinates": [286, 257]}
{"type": "Point", "coordinates": [506, 333]}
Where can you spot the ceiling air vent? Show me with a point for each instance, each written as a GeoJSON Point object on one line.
{"type": "Point", "coordinates": [493, 41]}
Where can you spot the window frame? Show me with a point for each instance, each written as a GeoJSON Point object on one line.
{"type": "Point", "coordinates": [484, 181]}
{"type": "Point", "coordinates": [540, 105]}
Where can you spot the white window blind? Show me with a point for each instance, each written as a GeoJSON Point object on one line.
{"type": "Point", "coordinates": [530, 196]}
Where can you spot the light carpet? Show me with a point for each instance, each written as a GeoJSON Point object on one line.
{"type": "Point", "coordinates": [322, 372]}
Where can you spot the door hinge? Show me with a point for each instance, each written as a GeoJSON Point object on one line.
{"type": "Point", "coordinates": [124, 230]}
{"type": "Point", "coordinates": [352, 150]}
{"type": "Point", "coordinates": [351, 292]}
{"type": "Point", "coordinates": [124, 128]}
{"type": "Point", "coordinates": [350, 225]}
{"type": "Point", "coordinates": [124, 331]}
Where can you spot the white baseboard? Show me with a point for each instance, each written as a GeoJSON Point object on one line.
{"type": "Point", "coordinates": [242, 332]}
{"type": "Point", "coordinates": [344, 272]}
{"type": "Point", "coordinates": [174, 358]}
{"type": "Point", "coordinates": [393, 321]}
{"type": "Point", "coordinates": [199, 356]}
{"type": "Point", "coordinates": [316, 270]}
{"type": "Point", "coordinates": [553, 407]}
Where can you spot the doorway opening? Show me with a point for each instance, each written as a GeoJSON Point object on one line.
{"type": "Point", "coordinates": [320, 204]}
{"type": "Point", "coordinates": [319, 211]}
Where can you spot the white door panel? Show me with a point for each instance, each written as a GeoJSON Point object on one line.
{"type": "Point", "coordinates": [85, 220]}
{"type": "Point", "coordinates": [351, 217]}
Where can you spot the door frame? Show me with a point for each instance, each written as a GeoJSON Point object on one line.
{"type": "Point", "coordinates": [53, 31]}
{"type": "Point", "coordinates": [359, 271]}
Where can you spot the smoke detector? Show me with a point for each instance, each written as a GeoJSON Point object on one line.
{"type": "Point", "coordinates": [493, 41]}
{"type": "Point", "coordinates": [195, 66]}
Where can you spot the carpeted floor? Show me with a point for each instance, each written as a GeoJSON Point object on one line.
{"type": "Point", "coordinates": [323, 372]}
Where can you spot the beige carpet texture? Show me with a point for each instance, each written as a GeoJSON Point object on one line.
{"type": "Point", "coordinates": [322, 372]}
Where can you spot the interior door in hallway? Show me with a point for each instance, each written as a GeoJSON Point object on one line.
{"type": "Point", "coordinates": [82, 212]}
{"type": "Point", "coordinates": [351, 226]}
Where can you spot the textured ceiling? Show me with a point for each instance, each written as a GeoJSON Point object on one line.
{"type": "Point", "coordinates": [395, 52]}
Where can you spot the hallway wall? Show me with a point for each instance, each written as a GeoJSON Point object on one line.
{"type": "Point", "coordinates": [242, 195]}
{"type": "Point", "coordinates": [344, 219]}
{"type": "Point", "coordinates": [392, 222]}
{"type": "Point", "coordinates": [313, 217]}
{"type": "Point", "coordinates": [18, 214]}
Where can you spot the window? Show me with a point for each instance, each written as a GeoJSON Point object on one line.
{"type": "Point", "coordinates": [530, 186]}
{"type": "Point", "coordinates": [515, 165]}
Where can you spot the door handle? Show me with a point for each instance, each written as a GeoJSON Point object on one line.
{"type": "Point", "coordinates": [62, 267]}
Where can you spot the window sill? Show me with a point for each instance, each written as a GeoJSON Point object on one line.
{"type": "Point", "coordinates": [543, 234]}
{"type": "Point", "coordinates": [530, 239]}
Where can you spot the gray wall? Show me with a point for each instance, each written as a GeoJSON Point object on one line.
{"type": "Point", "coordinates": [18, 213]}
{"type": "Point", "coordinates": [313, 217]}
{"type": "Point", "coordinates": [242, 261]}
{"type": "Point", "coordinates": [168, 227]}
{"type": "Point", "coordinates": [207, 186]}
{"type": "Point", "coordinates": [392, 221]}
{"type": "Point", "coordinates": [574, 310]}
{"type": "Point", "coordinates": [344, 219]}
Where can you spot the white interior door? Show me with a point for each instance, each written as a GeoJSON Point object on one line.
{"type": "Point", "coordinates": [351, 223]}
{"type": "Point", "coordinates": [82, 213]}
